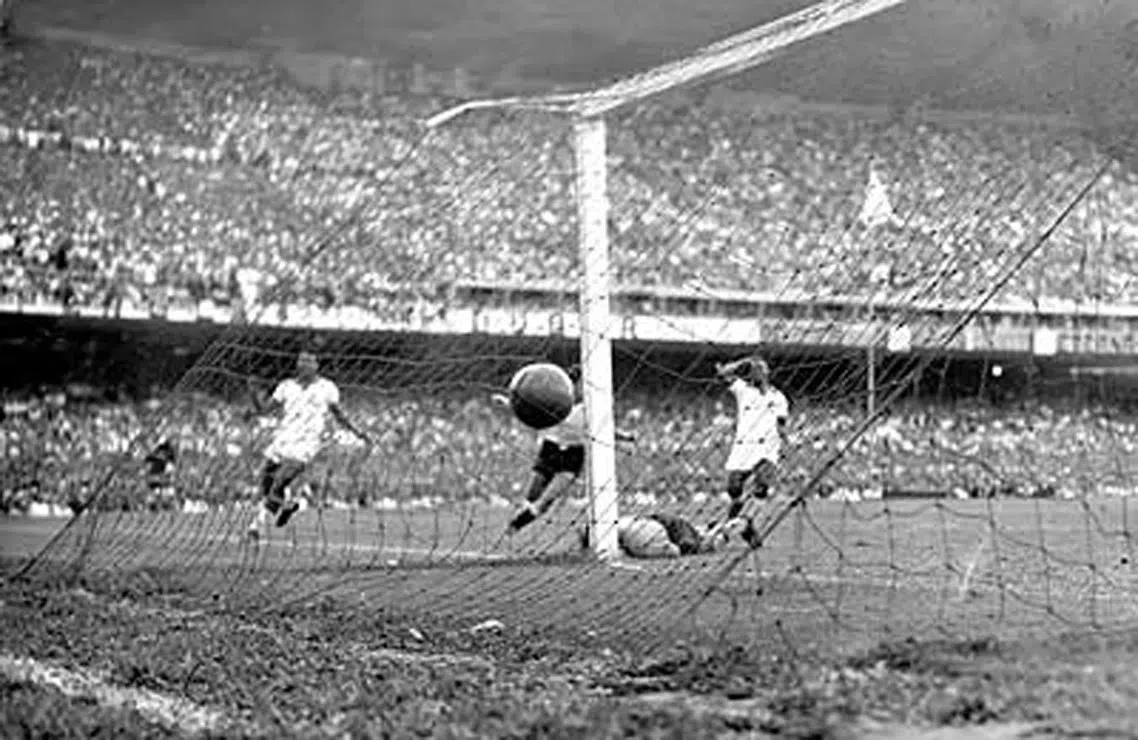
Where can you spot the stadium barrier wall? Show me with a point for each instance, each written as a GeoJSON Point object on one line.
{"type": "Point", "coordinates": [143, 353]}
{"type": "Point", "coordinates": [1074, 337]}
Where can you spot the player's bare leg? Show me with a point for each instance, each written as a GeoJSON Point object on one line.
{"type": "Point", "coordinates": [737, 485]}
{"type": "Point", "coordinates": [268, 504]}
{"type": "Point", "coordinates": [275, 479]}
{"type": "Point", "coordinates": [530, 509]}
{"type": "Point", "coordinates": [545, 491]}
{"type": "Point", "coordinates": [764, 490]}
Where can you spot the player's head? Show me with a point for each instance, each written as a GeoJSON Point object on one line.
{"type": "Point", "coordinates": [307, 366]}
{"type": "Point", "coordinates": [758, 371]}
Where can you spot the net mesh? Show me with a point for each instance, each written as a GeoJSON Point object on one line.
{"type": "Point", "coordinates": [425, 276]}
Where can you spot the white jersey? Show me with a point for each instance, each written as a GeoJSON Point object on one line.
{"type": "Point", "coordinates": [757, 416]}
{"type": "Point", "coordinates": [571, 432]}
{"type": "Point", "coordinates": [304, 418]}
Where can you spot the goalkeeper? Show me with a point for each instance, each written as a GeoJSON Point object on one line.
{"type": "Point", "coordinates": [761, 411]}
{"type": "Point", "coordinates": [661, 535]}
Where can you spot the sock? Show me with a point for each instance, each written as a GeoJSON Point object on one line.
{"type": "Point", "coordinates": [524, 517]}
{"type": "Point", "coordinates": [260, 519]}
{"type": "Point", "coordinates": [537, 487]}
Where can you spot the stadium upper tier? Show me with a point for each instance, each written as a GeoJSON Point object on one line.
{"type": "Point", "coordinates": [144, 178]}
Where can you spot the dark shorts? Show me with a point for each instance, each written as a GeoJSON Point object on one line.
{"type": "Point", "coordinates": [761, 479]}
{"type": "Point", "coordinates": [553, 459]}
{"type": "Point", "coordinates": [276, 477]}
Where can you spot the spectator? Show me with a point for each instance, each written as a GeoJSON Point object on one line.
{"type": "Point", "coordinates": [197, 164]}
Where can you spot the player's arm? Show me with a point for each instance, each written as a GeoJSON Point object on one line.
{"type": "Point", "coordinates": [731, 370]}
{"type": "Point", "coordinates": [343, 420]}
{"type": "Point", "coordinates": [262, 404]}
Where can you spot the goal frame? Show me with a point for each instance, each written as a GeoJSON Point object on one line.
{"type": "Point", "coordinates": [587, 110]}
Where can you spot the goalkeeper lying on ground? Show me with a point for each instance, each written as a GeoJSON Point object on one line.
{"type": "Point", "coordinates": [661, 535]}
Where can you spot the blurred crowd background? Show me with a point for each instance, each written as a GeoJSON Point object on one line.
{"type": "Point", "coordinates": [457, 447]}
{"type": "Point", "coordinates": [130, 179]}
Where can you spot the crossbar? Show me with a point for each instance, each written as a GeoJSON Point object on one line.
{"type": "Point", "coordinates": [731, 55]}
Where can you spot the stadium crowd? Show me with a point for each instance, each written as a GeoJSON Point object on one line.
{"type": "Point", "coordinates": [132, 178]}
{"type": "Point", "coordinates": [458, 448]}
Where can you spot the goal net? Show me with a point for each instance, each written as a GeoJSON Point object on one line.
{"type": "Point", "coordinates": [942, 472]}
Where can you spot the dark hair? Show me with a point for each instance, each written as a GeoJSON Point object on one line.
{"type": "Point", "coordinates": [754, 364]}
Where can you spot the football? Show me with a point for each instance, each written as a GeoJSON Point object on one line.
{"type": "Point", "coordinates": [541, 395]}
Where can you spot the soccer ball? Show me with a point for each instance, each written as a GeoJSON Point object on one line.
{"type": "Point", "coordinates": [541, 395]}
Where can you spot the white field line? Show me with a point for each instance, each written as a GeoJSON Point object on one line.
{"type": "Point", "coordinates": [441, 555]}
{"type": "Point", "coordinates": [171, 712]}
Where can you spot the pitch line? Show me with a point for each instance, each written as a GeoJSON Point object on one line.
{"type": "Point", "coordinates": [441, 554]}
{"type": "Point", "coordinates": [177, 714]}
{"type": "Point", "coordinates": [622, 564]}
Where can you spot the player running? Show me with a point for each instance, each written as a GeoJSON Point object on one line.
{"type": "Point", "coordinates": [305, 403]}
{"type": "Point", "coordinates": [561, 451]}
{"type": "Point", "coordinates": [761, 411]}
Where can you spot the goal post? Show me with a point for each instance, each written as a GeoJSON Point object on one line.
{"type": "Point", "coordinates": [587, 110]}
{"type": "Point", "coordinates": [596, 340]}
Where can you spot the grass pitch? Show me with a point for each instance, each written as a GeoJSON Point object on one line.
{"type": "Point", "coordinates": [830, 576]}
{"type": "Point", "coordinates": [365, 652]}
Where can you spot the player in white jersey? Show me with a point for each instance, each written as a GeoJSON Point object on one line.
{"type": "Point", "coordinates": [305, 403]}
{"type": "Point", "coordinates": [561, 450]}
{"type": "Point", "coordinates": [761, 411]}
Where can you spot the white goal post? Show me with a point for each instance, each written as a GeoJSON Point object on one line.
{"type": "Point", "coordinates": [728, 56]}
{"type": "Point", "coordinates": [596, 341]}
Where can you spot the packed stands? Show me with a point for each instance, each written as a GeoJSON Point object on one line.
{"type": "Point", "coordinates": [150, 179]}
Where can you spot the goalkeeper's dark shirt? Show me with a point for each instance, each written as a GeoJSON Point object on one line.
{"type": "Point", "coordinates": [681, 532]}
